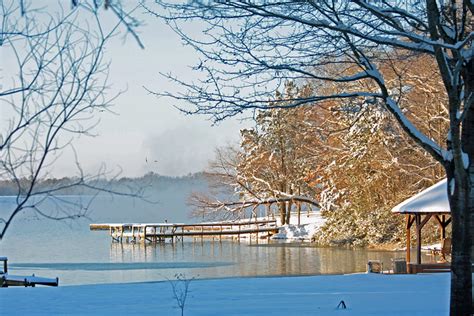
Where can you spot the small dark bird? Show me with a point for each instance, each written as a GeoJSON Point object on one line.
{"type": "Point", "coordinates": [341, 305]}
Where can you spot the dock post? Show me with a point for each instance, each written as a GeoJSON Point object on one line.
{"type": "Point", "coordinates": [256, 234]}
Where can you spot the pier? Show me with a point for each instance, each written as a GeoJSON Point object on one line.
{"type": "Point", "coordinates": [160, 232]}
{"type": "Point", "coordinates": [7, 279]}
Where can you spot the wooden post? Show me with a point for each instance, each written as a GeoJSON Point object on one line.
{"type": "Point", "coordinates": [443, 227]}
{"type": "Point", "coordinates": [299, 213]}
{"type": "Point", "coordinates": [257, 232]}
{"type": "Point", "coordinates": [408, 255]}
{"type": "Point", "coordinates": [418, 238]}
{"type": "Point", "coordinates": [299, 207]}
{"type": "Point", "coordinates": [289, 206]}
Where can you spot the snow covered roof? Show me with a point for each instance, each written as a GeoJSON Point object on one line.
{"type": "Point", "coordinates": [432, 200]}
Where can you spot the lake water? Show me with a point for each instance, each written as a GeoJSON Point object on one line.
{"type": "Point", "coordinates": [79, 256]}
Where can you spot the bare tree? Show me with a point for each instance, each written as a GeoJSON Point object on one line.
{"type": "Point", "coordinates": [250, 48]}
{"type": "Point", "coordinates": [180, 288]}
{"type": "Point", "coordinates": [54, 84]}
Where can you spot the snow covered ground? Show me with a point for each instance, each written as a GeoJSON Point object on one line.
{"type": "Point", "coordinates": [363, 294]}
{"type": "Point", "coordinates": [309, 224]}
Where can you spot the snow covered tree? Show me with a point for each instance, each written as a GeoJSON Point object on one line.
{"type": "Point", "coordinates": [250, 48]}
{"type": "Point", "coordinates": [272, 162]}
{"type": "Point", "coordinates": [368, 147]}
{"type": "Point", "coordinates": [275, 159]}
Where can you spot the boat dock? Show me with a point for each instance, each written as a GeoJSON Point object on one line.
{"type": "Point", "coordinates": [160, 232]}
{"type": "Point", "coordinates": [7, 279]}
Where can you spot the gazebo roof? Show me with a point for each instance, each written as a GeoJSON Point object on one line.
{"type": "Point", "coordinates": [432, 200]}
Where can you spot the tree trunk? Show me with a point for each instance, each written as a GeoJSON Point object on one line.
{"type": "Point", "coordinates": [282, 206]}
{"type": "Point", "coordinates": [468, 139]}
{"type": "Point", "coordinates": [471, 215]}
{"type": "Point", "coordinates": [462, 212]}
{"type": "Point", "coordinates": [289, 206]}
{"type": "Point", "coordinates": [283, 217]}
{"type": "Point", "coordinates": [461, 278]}
{"type": "Point", "coordinates": [288, 211]}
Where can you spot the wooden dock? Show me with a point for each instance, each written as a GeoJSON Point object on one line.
{"type": "Point", "coordinates": [159, 232]}
{"type": "Point", "coordinates": [7, 279]}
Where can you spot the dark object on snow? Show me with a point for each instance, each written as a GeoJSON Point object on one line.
{"type": "Point", "coordinates": [341, 305]}
{"type": "Point", "coordinates": [399, 266]}
{"type": "Point", "coordinates": [374, 266]}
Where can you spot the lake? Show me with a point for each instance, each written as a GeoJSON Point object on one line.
{"type": "Point", "coordinates": [79, 256]}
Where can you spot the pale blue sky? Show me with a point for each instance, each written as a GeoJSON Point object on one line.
{"type": "Point", "coordinates": [147, 127]}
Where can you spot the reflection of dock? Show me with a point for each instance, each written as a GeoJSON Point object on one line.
{"type": "Point", "coordinates": [159, 232]}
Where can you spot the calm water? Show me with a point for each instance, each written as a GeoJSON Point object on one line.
{"type": "Point", "coordinates": [79, 256]}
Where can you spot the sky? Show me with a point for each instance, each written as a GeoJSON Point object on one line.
{"type": "Point", "coordinates": [149, 134]}
{"type": "Point", "coordinates": [146, 133]}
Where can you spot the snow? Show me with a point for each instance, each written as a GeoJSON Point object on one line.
{"type": "Point", "coordinates": [449, 31]}
{"type": "Point", "coordinates": [393, 106]}
{"type": "Point", "coordinates": [432, 247]}
{"type": "Point", "coordinates": [432, 200]}
{"type": "Point", "coordinates": [363, 294]}
{"type": "Point", "coordinates": [465, 160]}
{"type": "Point", "coordinates": [29, 279]}
{"type": "Point", "coordinates": [447, 155]}
{"type": "Point", "coordinates": [310, 223]}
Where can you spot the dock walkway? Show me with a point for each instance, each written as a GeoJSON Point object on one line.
{"type": "Point", "coordinates": [159, 232]}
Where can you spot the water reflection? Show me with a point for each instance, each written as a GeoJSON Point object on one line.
{"type": "Point", "coordinates": [206, 259]}
{"type": "Point", "coordinates": [79, 256]}
{"type": "Point", "coordinates": [253, 260]}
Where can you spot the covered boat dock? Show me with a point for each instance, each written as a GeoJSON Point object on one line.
{"type": "Point", "coordinates": [431, 203]}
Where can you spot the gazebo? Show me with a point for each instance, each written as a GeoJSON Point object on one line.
{"type": "Point", "coordinates": [419, 209]}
